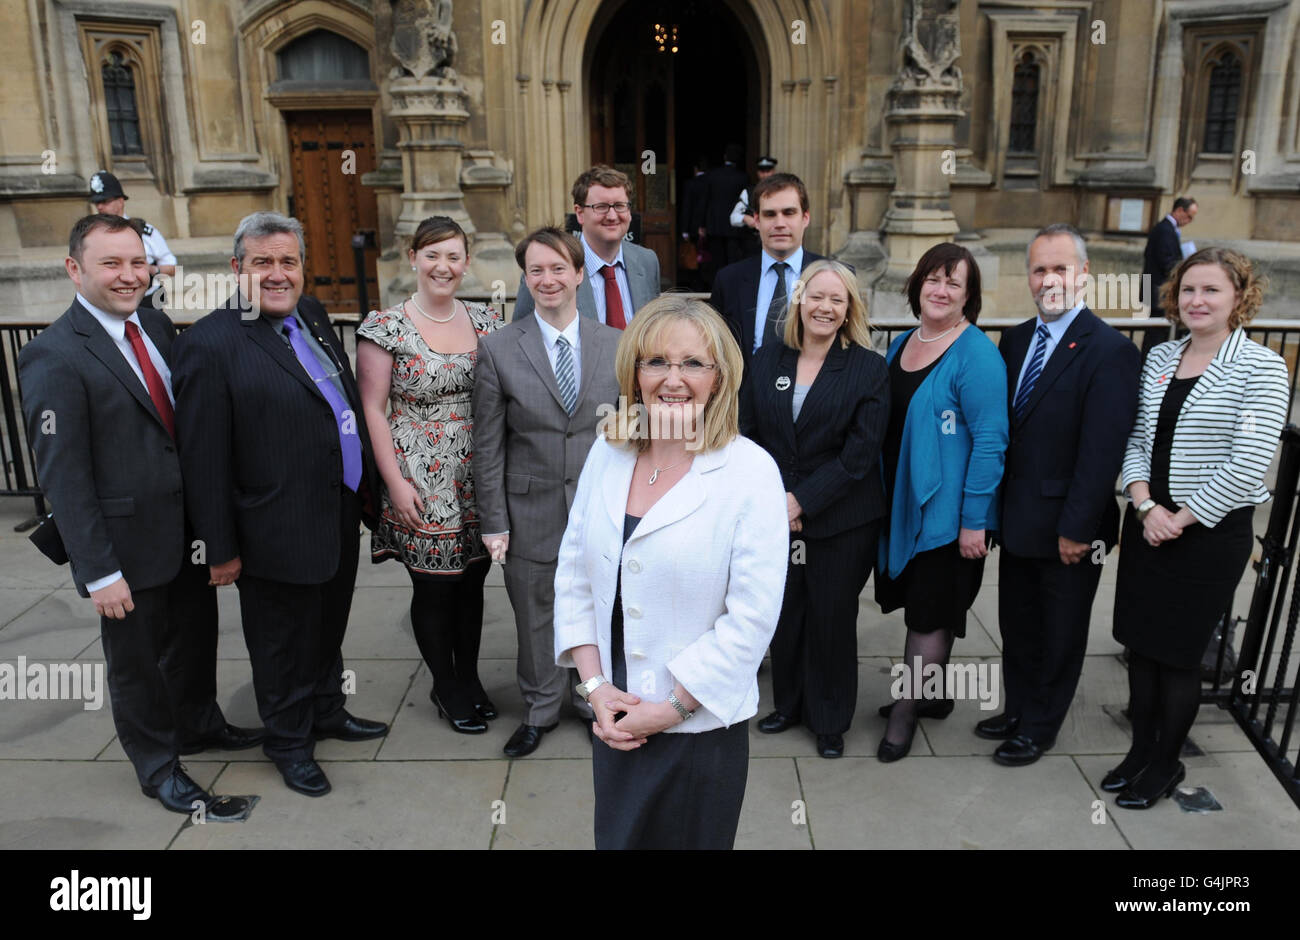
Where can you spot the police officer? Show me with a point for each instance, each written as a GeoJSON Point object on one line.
{"type": "Point", "coordinates": [743, 216]}
{"type": "Point", "coordinates": [107, 197]}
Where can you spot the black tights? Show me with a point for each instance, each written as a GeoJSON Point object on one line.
{"type": "Point", "coordinates": [1163, 702]}
{"type": "Point", "coordinates": [932, 647]}
{"type": "Point", "coordinates": [447, 620]}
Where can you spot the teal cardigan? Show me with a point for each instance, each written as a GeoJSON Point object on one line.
{"type": "Point", "coordinates": [953, 448]}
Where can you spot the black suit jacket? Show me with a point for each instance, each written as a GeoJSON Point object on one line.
{"type": "Point", "coordinates": [724, 185]}
{"type": "Point", "coordinates": [695, 194]}
{"type": "Point", "coordinates": [260, 447]}
{"type": "Point", "coordinates": [104, 458]}
{"type": "Point", "coordinates": [735, 296]}
{"type": "Point", "coordinates": [1161, 256]}
{"type": "Point", "coordinates": [1065, 450]}
{"type": "Point", "coordinates": [830, 458]}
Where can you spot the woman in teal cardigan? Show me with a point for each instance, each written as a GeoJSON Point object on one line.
{"type": "Point", "coordinates": [942, 463]}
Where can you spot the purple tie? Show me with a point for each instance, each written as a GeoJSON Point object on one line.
{"type": "Point", "coordinates": [344, 416]}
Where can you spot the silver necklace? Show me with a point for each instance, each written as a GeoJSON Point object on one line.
{"type": "Point", "coordinates": [935, 339]}
{"type": "Point", "coordinates": [658, 470]}
{"type": "Point", "coordinates": [446, 319]}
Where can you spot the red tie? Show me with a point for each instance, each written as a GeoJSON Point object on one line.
{"type": "Point", "coordinates": [613, 300]}
{"type": "Point", "coordinates": [157, 391]}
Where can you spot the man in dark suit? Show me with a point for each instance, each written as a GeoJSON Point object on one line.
{"type": "Point", "coordinates": [752, 295]}
{"type": "Point", "coordinates": [538, 389]}
{"type": "Point", "coordinates": [724, 186]}
{"type": "Point", "coordinates": [1163, 250]}
{"type": "Point", "coordinates": [279, 474]}
{"type": "Point", "coordinates": [690, 217]}
{"type": "Point", "coordinates": [96, 390]}
{"type": "Point", "coordinates": [1072, 382]}
{"type": "Point", "coordinates": [621, 277]}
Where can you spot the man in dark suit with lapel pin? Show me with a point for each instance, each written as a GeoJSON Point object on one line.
{"type": "Point", "coordinates": [752, 294]}
{"type": "Point", "coordinates": [97, 397]}
{"type": "Point", "coordinates": [538, 390]}
{"type": "Point", "coordinates": [1072, 381]}
{"type": "Point", "coordinates": [279, 475]}
{"type": "Point", "coordinates": [621, 277]}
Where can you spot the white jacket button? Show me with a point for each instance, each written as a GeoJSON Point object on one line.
{"type": "Point", "coordinates": [634, 612]}
{"type": "Point", "coordinates": [634, 566]}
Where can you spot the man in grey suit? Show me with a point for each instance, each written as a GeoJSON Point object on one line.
{"type": "Point", "coordinates": [538, 387]}
{"type": "Point", "coordinates": [621, 277]}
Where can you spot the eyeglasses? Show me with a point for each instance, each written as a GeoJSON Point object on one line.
{"type": "Point", "coordinates": [690, 368]}
{"type": "Point", "coordinates": [602, 208]}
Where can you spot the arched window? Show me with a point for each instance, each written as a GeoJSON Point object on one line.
{"type": "Point", "coordinates": [322, 56]}
{"type": "Point", "coordinates": [119, 100]}
{"type": "Point", "coordinates": [1221, 105]}
{"type": "Point", "coordinates": [1024, 105]}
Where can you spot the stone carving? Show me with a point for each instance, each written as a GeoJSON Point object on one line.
{"type": "Point", "coordinates": [931, 43]}
{"type": "Point", "coordinates": [423, 42]}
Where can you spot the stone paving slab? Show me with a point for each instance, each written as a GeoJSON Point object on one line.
{"type": "Point", "coordinates": [59, 626]}
{"type": "Point", "coordinates": [60, 730]}
{"type": "Point", "coordinates": [548, 805]}
{"type": "Point", "coordinates": [14, 602]}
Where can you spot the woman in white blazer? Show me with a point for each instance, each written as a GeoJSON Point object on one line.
{"type": "Point", "coordinates": [1210, 414]}
{"type": "Point", "coordinates": [669, 583]}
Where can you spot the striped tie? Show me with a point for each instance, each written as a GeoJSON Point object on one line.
{"type": "Point", "coordinates": [564, 374]}
{"type": "Point", "coordinates": [1032, 373]}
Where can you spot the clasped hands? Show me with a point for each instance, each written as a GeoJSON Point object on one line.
{"type": "Point", "coordinates": [641, 720]}
{"type": "Point", "coordinates": [1161, 525]}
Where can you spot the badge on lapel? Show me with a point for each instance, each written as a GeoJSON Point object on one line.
{"type": "Point", "coordinates": [782, 383]}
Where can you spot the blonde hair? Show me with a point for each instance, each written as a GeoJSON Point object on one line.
{"type": "Point", "coordinates": [643, 338]}
{"type": "Point", "coordinates": [1246, 280]}
{"type": "Point", "coordinates": [856, 327]}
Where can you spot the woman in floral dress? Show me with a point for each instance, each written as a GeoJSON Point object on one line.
{"type": "Point", "coordinates": [418, 357]}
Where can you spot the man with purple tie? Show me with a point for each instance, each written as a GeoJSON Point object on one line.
{"type": "Point", "coordinates": [279, 476]}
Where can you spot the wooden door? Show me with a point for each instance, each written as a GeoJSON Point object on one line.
{"type": "Point", "coordinates": [328, 152]}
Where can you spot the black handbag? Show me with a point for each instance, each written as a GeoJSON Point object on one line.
{"type": "Point", "coordinates": [47, 539]}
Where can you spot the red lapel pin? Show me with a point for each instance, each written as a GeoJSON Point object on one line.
{"type": "Point", "coordinates": [1072, 345]}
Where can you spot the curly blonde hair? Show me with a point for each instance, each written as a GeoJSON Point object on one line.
{"type": "Point", "coordinates": [1248, 283]}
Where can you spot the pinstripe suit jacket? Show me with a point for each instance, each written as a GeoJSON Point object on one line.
{"type": "Point", "coordinates": [528, 451]}
{"type": "Point", "coordinates": [259, 445]}
{"type": "Point", "coordinates": [1227, 431]}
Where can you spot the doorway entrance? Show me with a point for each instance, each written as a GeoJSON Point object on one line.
{"type": "Point", "coordinates": [328, 152]}
{"type": "Point", "coordinates": [680, 79]}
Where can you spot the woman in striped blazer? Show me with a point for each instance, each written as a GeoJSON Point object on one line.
{"type": "Point", "coordinates": [1210, 412]}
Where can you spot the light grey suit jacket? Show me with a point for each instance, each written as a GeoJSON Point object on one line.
{"type": "Point", "coordinates": [528, 451]}
{"type": "Point", "coordinates": [642, 283]}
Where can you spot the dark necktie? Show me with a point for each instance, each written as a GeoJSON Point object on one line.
{"type": "Point", "coordinates": [1032, 373]}
{"type": "Point", "coordinates": [614, 315]}
{"type": "Point", "coordinates": [776, 309]}
{"type": "Point", "coordinates": [344, 417]}
{"type": "Point", "coordinates": [152, 380]}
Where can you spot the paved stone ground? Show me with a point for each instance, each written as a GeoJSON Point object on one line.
{"type": "Point", "coordinates": [64, 782]}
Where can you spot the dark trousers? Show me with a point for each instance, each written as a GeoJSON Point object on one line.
{"type": "Point", "coordinates": [161, 665]}
{"type": "Point", "coordinates": [815, 649]}
{"type": "Point", "coordinates": [1043, 611]}
{"type": "Point", "coordinates": [294, 634]}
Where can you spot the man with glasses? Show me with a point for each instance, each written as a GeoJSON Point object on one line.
{"type": "Point", "coordinates": [621, 277]}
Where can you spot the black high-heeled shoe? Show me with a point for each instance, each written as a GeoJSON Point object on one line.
{"type": "Point", "coordinates": [939, 708]}
{"type": "Point", "coordinates": [469, 725]}
{"type": "Point", "coordinates": [888, 751]}
{"type": "Point", "coordinates": [485, 709]}
{"type": "Point", "coordinates": [1130, 799]}
{"type": "Point", "coordinates": [1116, 782]}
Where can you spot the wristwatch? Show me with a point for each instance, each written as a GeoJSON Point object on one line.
{"type": "Point", "coordinates": [591, 685]}
{"type": "Point", "coordinates": [1148, 504]}
{"type": "Point", "coordinates": [676, 703]}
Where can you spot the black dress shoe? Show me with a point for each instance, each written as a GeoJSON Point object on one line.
{"type": "Point", "coordinates": [1142, 795]}
{"type": "Point", "coordinates": [473, 724]}
{"type": "Point", "coordinates": [830, 745]}
{"type": "Point", "coordinates": [178, 792]}
{"type": "Point", "coordinates": [1020, 751]}
{"type": "Point", "coordinates": [352, 728]}
{"type": "Point", "coordinates": [775, 723]}
{"type": "Point", "coordinates": [888, 751]}
{"type": "Point", "coordinates": [1115, 782]}
{"type": "Point", "coordinates": [229, 738]}
{"type": "Point", "coordinates": [926, 708]}
{"type": "Point", "coordinates": [998, 728]}
{"type": "Point", "coordinates": [304, 776]}
{"type": "Point", "coordinates": [485, 709]}
{"type": "Point", "coordinates": [526, 739]}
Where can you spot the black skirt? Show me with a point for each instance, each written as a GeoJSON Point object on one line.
{"type": "Point", "coordinates": [676, 791]}
{"type": "Point", "coordinates": [1168, 599]}
{"type": "Point", "coordinates": [935, 589]}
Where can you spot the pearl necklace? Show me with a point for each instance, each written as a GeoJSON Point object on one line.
{"type": "Point", "coordinates": [935, 339]}
{"type": "Point", "coordinates": [446, 319]}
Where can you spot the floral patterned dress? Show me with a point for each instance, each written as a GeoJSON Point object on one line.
{"type": "Point", "coordinates": [432, 425]}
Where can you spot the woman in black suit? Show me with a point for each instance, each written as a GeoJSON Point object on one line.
{"type": "Point", "coordinates": [819, 404]}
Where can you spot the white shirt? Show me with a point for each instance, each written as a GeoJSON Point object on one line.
{"type": "Point", "coordinates": [115, 327]}
{"type": "Point", "coordinates": [594, 263]}
{"type": "Point", "coordinates": [738, 210]}
{"type": "Point", "coordinates": [156, 250]}
{"type": "Point", "coordinates": [1055, 330]}
{"type": "Point", "coordinates": [767, 288]}
{"type": "Point", "coordinates": [550, 334]}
